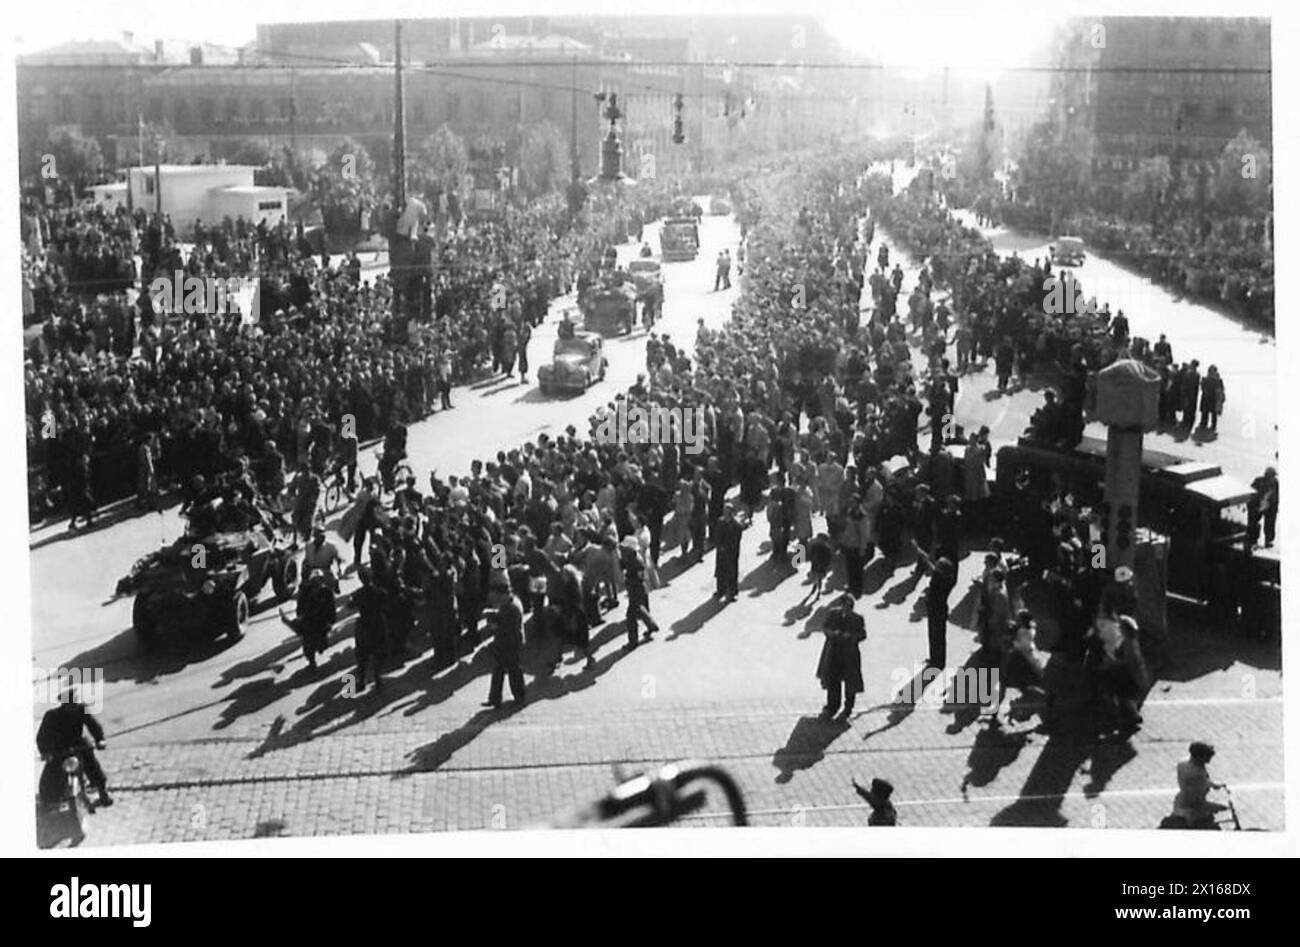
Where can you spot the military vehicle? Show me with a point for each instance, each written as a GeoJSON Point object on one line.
{"type": "Point", "coordinates": [609, 307]}
{"type": "Point", "coordinates": [234, 545]}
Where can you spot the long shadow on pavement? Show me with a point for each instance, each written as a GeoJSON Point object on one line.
{"type": "Point", "coordinates": [902, 707]}
{"type": "Point", "coordinates": [696, 618]}
{"type": "Point", "coordinates": [433, 755]}
{"type": "Point", "coordinates": [766, 577]}
{"type": "Point", "coordinates": [806, 746]}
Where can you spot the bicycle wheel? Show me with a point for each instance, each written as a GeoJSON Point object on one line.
{"type": "Point", "coordinates": [333, 496]}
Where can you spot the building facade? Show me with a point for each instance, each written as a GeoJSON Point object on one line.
{"type": "Point", "coordinates": [1176, 87]}
{"type": "Point", "coordinates": [312, 85]}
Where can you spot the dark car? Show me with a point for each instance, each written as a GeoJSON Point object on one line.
{"type": "Point", "coordinates": [578, 362]}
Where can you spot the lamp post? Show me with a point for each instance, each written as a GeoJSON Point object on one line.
{"type": "Point", "coordinates": [611, 148]}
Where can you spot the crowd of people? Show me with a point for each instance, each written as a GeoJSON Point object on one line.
{"type": "Point", "coordinates": [812, 411]}
{"type": "Point", "coordinates": [825, 405]}
{"type": "Point", "coordinates": [1221, 260]}
{"type": "Point", "coordinates": [124, 398]}
{"type": "Point", "coordinates": [1027, 320]}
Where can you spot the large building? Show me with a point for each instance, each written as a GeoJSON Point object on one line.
{"type": "Point", "coordinates": [1177, 87]}
{"type": "Point", "coordinates": [747, 83]}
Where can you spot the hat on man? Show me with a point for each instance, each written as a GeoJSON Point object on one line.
{"type": "Point", "coordinates": [879, 793]}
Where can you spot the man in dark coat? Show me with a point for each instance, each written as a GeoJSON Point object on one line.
{"type": "Point", "coordinates": [943, 576]}
{"type": "Point", "coordinates": [61, 732]}
{"type": "Point", "coordinates": [1264, 507]}
{"type": "Point", "coordinates": [1191, 393]}
{"type": "Point", "coordinates": [506, 623]}
{"type": "Point", "coordinates": [316, 616]}
{"type": "Point", "coordinates": [701, 501]}
{"type": "Point", "coordinates": [840, 666]}
{"type": "Point", "coordinates": [371, 629]}
{"type": "Point", "coordinates": [726, 568]}
{"type": "Point", "coordinates": [525, 336]}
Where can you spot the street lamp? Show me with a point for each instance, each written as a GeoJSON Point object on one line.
{"type": "Point", "coordinates": [611, 148]}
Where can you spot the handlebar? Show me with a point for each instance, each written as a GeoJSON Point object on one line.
{"type": "Point", "coordinates": [658, 799]}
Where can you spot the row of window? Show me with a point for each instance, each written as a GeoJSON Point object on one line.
{"type": "Point", "coordinates": [281, 109]}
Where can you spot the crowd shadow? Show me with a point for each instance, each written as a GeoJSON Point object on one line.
{"type": "Point", "coordinates": [816, 622]}
{"type": "Point", "coordinates": [535, 395]}
{"type": "Point", "coordinates": [499, 385]}
{"type": "Point", "coordinates": [122, 659]}
{"type": "Point", "coordinates": [992, 752]}
{"type": "Point", "coordinates": [766, 577]}
{"type": "Point", "coordinates": [877, 573]}
{"type": "Point", "coordinates": [433, 755]}
{"type": "Point", "coordinates": [104, 519]}
{"type": "Point", "coordinates": [965, 707]}
{"type": "Point", "coordinates": [900, 591]}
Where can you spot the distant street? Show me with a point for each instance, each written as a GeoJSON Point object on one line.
{"type": "Point", "coordinates": [1247, 437]}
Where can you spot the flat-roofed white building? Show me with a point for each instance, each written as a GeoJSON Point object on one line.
{"type": "Point", "coordinates": [206, 193]}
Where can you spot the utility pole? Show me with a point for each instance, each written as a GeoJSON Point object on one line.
{"type": "Point", "coordinates": [574, 162]}
{"type": "Point", "coordinates": [293, 111]}
{"type": "Point", "coordinates": [396, 260]}
{"type": "Point", "coordinates": [157, 176]}
{"type": "Point", "coordinates": [399, 123]}
{"type": "Point", "coordinates": [699, 139]}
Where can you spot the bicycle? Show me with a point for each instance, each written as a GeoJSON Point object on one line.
{"type": "Point", "coordinates": [335, 490]}
{"type": "Point", "coordinates": [1211, 821]}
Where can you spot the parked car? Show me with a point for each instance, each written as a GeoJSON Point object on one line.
{"type": "Point", "coordinates": [1068, 251]}
{"type": "Point", "coordinates": [576, 364]}
{"type": "Point", "coordinates": [719, 205]}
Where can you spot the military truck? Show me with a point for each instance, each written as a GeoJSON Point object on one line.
{"type": "Point", "coordinates": [202, 583]}
{"type": "Point", "coordinates": [679, 239]}
{"type": "Point", "coordinates": [609, 307]}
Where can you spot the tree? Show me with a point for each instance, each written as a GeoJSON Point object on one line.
{"type": "Point", "coordinates": [343, 186]}
{"type": "Point", "coordinates": [1147, 188]}
{"type": "Point", "coordinates": [243, 151]}
{"type": "Point", "coordinates": [440, 163]}
{"type": "Point", "coordinates": [71, 157]}
{"type": "Point", "coordinates": [1245, 171]}
{"type": "Point", "coordinates": [542, 159]}
{"type": "Point", "coordinates": [1052, 172]}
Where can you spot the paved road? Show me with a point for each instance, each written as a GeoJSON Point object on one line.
{"type": "Point", "coordinates": [241, 742]}
{"type": "Point", "coordinates": [1247, 439]}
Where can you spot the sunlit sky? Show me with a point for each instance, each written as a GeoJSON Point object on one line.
{"type": "Point", "coordinates": [983, 37]}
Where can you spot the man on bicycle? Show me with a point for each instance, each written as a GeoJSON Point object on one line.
{"type": "Point", "coordinates": [394, 452]}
